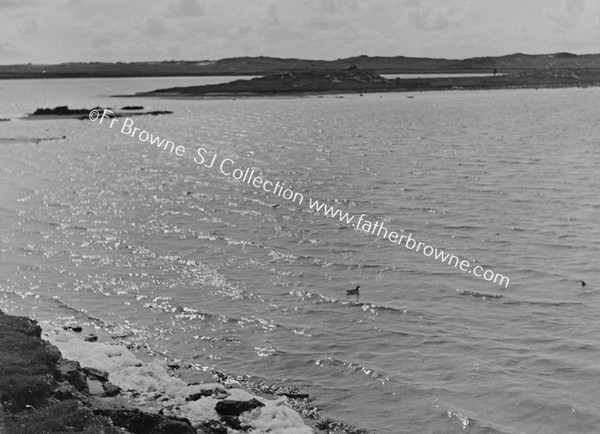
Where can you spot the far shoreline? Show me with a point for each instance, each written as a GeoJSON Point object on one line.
{"type": "Point", "coordinates": [298, 95]}
{"type": "Point", "coordinates": [355, 81]}
{"type": "Point", "coordinates": [264, 65]}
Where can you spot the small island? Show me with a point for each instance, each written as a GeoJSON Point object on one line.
{"type": "Point", "coordinates": [354, 80]}
{"type": "Point", "coordinates": [61, 112]}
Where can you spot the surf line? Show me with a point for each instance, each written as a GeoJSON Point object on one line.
{"type": "Point", "coordinates": [247, 176]}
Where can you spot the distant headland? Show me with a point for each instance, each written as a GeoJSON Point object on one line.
{"type": "Point", "coordinates": [362, 74]}
{"type": "Point", "coordinates": [508, 64]}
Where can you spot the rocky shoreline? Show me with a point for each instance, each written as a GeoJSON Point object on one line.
{"type": "Point", "coordinates": [41, 391]}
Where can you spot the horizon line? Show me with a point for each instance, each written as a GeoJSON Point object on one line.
{"type": "Point", "coordinates": [305, 59]}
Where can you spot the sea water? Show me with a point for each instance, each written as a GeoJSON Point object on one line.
{"type": "Point", "coordinates": [101, 228]}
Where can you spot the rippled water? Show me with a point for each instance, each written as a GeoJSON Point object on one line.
{"type": "Point", "coordinates": [101, 228]}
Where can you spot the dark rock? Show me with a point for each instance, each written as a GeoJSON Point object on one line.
{"type": "Point", "coordinates": [85, 113]}
{"type": "Point", "coordinates": [65, 111]}
{"type": "Point", "coordinates": [30, 327]}
{"type": "Point", "coordinates": [230, 407]}
{"type": "Point", "coordinates": [122, 336]}
{"type": "Point", "coordinates": [68, 370]}
{"type": "Point", "coordinates": [96, 374]}
{"type": "Point", "coordinates": [90, 338]}
{"type": "Point", "coordinates": [217, 393]}
{"type": "Point", "coordinates": [295, 395]}
{"type": "Point", "coordinates": [201, 394]}
{"type": "Point", "coordinates": [76, 329]}
{"type": "Point", "coordinates": [64, 392]}
{"type": "Point", "coordinates": [59, 110]}
{"type": "Point", "coordinates": [138, 422]}
{"type": "Point", "coordinates": [110, 389]}
{"type": "Point", "coordinates": [52, 351]}
{"type": "Point", "coordinates": [173, 426]}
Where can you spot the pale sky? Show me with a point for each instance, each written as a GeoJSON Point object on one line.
{"type": "Point", "coordinates": [55, 31]}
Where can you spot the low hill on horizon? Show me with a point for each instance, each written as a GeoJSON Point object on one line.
{"type": "Point", "coordinates": [268, 65]}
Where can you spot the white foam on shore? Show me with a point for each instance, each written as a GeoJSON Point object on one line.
{"type": "Point", "coordinates": [155, 389]}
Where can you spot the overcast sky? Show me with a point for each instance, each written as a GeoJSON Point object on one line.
{"type": "Point", "coordinates": [54, 31]}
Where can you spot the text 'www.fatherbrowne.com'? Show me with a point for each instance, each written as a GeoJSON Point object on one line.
{"type": "Point", "coordinates": [227, 167]}
{"type": "Point", "coordinates": [379, 230]}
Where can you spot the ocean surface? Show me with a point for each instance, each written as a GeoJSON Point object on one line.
{"type": "Point", "coordinates": [102, 229]}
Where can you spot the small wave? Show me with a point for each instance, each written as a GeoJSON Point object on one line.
{"type": "Point", "coordinates": [19, 140]}
{"type": "Point", "coordinates": [282, 257]}
{"type": "Point", "coordinates": [544, 303]}
{"type": "Point", "coordinates": [478, 294]}
{"type": "Point", "coordinates": [227, 339]}
{"type": "Point", "coordinates": [464, 420]}
{"type": "Point", "coordinates": [264, 351]}
{"type": "Point", "coordinates": [365, 306]}
{"type": "Point", "coordinates": [357, 368]}
{"type": "Point", "coordinates": [470, 424]}
{"type": "Point", "coordinates": [462, 227]}
{"type": "Point", "coordinates": [164, 304]}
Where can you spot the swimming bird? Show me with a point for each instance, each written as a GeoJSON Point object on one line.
{"type": "Point", "coordinates": [352, 291]}
{"type": "Point", "coordinates": [583, 283]}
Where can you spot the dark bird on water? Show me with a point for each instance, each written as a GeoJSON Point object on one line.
{"type": "Point", "coordinates": [352, 291]}
{"type": "Point", "coordinates": [583, 283]}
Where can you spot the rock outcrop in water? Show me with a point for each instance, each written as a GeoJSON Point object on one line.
{"type": "Point", "coordinates": [65, 112]}
{"type": "Point", "coordinates": [290, 82]}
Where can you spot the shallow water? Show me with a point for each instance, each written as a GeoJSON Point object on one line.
{"type": "Point", "coordinates": [115, 233]}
